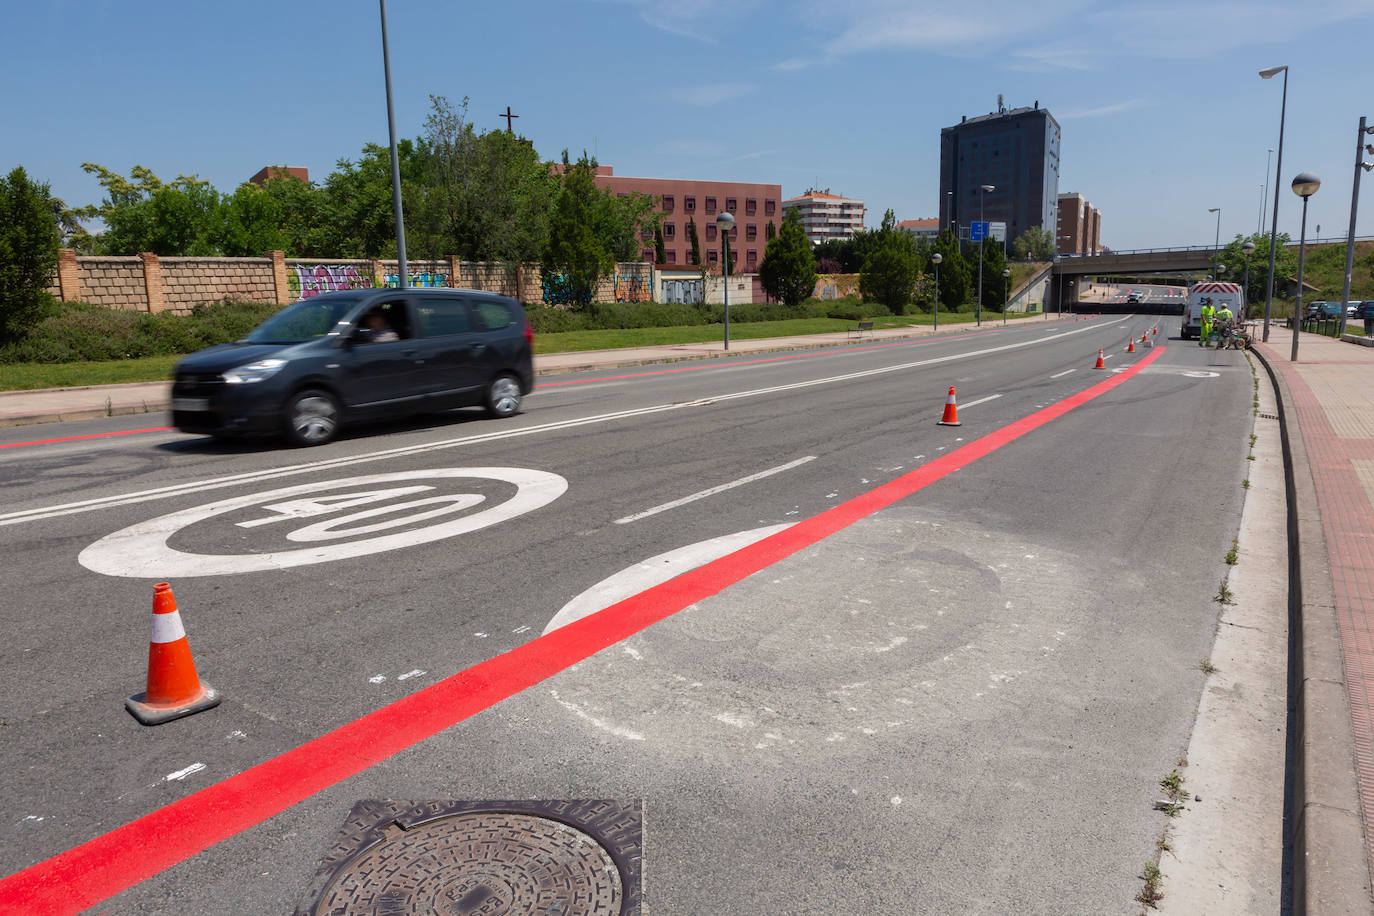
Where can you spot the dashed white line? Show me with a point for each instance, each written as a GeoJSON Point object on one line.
{"type": "Point", "coordinates": [991, 397]}
{"type": "Point", "coordinates": [714, 490]}
{"type": "Point", "coordinates": [1062, 374]}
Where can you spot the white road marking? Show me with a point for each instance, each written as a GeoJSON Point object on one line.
{"type": "Point", "coordinates": [376, 679]}
{"type": "Point", "coordinates": [714, 490]}
{"type": "Point", "coordinates": [991, 397]}
{"type": "Point", "coordinates": [599, 723]}
{"type": "Point", "coordinates": [182, 774]}
{"type": "Point", "coordinates": [415, 672]}
{"type": "Point", "coordinates": [314, 467]}
{"type": "Point", "coordinates": [1062, 374]}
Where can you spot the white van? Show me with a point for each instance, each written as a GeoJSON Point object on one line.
{"type": "Point", "coordinates": [1213, 293]}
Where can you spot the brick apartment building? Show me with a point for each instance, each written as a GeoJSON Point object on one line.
{"type": "Point", "coordinates": [279, 171]}
{"type": "Point", "coordinates": [1079, 228]}
{"type": "Point", "coordinates": [827, 216]}
{"type": "Point", "coordinates": [683, 201]}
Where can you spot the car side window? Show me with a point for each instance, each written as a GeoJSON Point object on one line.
{"type": "Point", "coordinates": [394, 317]}
{"type": "Point", "coordinates": [494, 315]}
{"type": "Point", "coordinates": [442, 317]}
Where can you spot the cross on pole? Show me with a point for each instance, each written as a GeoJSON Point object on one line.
{"type": "Point", "coordinates": [509, 117]}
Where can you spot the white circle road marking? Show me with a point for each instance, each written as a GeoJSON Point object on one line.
{"type": "Point", "coordinates": [141, 551]}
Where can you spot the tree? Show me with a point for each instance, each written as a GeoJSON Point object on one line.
{"type": "Point", "coordinates": [890, 271]}
{"type": "Point", "coordinates": [28, 252]}
{"type": "Point", "coordinates": [1285, 265]}
{"type": "Point", "coordinates": [788, 271]}
{"type": "Point", "coordinates": [250, 223]}
{"type": "Point", "coordinates": [695, 239]}
{"type": "Point", "coordinates": [770, 233]}
{"type": "Point", "coordinates": [1035, 244]}
{"type": "Point", "coordinates": [660, 249]}
{"type": "Point", "coordinates": [843, 252]}
{"type": "Point", "coordinates": [574, 258]}
{"type": "Point", "coordinates": [143, 213]}
{"type": "Point", "coordinates": [955, 272]}
{"type": "Point", "coordinates": [994, 284]}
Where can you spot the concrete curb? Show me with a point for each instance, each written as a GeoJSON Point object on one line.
{"type": "Point", "coordinates": [1324, 829]}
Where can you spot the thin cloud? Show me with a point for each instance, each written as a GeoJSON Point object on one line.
{"type": "Point", "coordinates": [706, 96]}
{"type": "Point", "coordinates": [793, 63]}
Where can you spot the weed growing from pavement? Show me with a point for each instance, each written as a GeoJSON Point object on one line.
{"type": "Point", "coordinates": [1162, 844]}
{"type": "Point", "coordinates": [1207, 666]}
{"type": "Point", "coordinates": [1249, 457]}
{"type": "Point", "coordinates": [1253, 440]}
{"type": "Point", "coordinates": [1224, 594]}
{"type": "Point", "coordinates": [1150, 894]}
{"type": "Point", "coordinates": [1245, 483]}
{"type": "Point", "coordinates": [1233, 554]}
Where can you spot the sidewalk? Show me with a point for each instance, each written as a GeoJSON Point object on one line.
{"type": "Point", "coordinates": [1327, 408]}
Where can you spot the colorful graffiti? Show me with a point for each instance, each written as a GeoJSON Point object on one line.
{"type": "Point", "coordinates": [836, 286]}
{"type": "Point", "coordinates": [306, 281]}
{"type": "Point", "coordinates": [427, 280]}
{"type": "Point", "coordinates": [632, 288]}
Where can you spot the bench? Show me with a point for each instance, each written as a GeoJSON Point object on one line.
{"type": "Point", "coordinates": [859, 329]}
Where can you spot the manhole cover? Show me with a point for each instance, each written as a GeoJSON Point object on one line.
{"type": "Point", "coordinates": [568, 858]}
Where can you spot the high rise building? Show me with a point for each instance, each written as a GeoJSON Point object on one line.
{"type": "Point", "coordinates": [827, 216]}
{"type": "Point", "coordinates": [1014, 150]}
{"type": "Point", "coordinates": [1079, 230]}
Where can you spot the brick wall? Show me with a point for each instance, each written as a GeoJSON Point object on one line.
{"type": "Point", "coordinates": [188, 282]}
{"type": "Point", "coordinates": [116, 282]}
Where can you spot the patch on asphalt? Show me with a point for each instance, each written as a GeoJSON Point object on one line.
{"type": "Point", "coordinates": [577, 858]}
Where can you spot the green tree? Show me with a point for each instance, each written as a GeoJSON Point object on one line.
{"type": "Point", "coordinates": [1285, 266]}
{"type": "Point", "coordinates": [360, 220]}
{"type": "Point", "coordinates": [695, 238]}
{"type": "Point", "coordinates": [28, 252]}
{"type": "Point", "coordinates": [1035, 244]}
{"type": "Point", "coordinates": [302, 214]}
{"type": "Point", "coordinates": [660, 249]}
{"type": "Point", "coordinates": [143, 213]}
{"type": "Point", "coordinates": [891, 268]}
{"type": "Point", "coordinates": [788, 271]}
{"type": "Point", "coordinates": [574, 258]}
{"type": "Point", "coordinates": [955, 272]}
{"type": "Point", "coordinates": [843, 252]}
{"type": "Point", "coordinates": [994, 285]}
{"type": "Point", "coordinates": [250, 223]}
{"type": "Point", "coordinates": [770, 233]}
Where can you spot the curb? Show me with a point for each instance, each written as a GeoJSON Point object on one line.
{"type": "Point", "coordinates": [1325, 861]}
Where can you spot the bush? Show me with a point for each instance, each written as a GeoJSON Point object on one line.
{"type": "Point", "coordinates": [28, 253]}
{"type": "Point", "coordinates": [854, 309]}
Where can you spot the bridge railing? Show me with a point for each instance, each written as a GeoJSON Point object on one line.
{"type": "Point", "coordinates": [1182, 249]}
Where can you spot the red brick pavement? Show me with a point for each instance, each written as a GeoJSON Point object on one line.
{"type": "Point", "coordinates": [1332, 388]}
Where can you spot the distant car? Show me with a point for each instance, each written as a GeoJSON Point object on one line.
{"type": "Point", "coordinates": [318, 365]}
{"type": "Point", "coordinates": [1365, 309]}
{"type": "Point", "coordinates": [1133, 299]}
{"type": "Point", "coordinates": [1321, 311]}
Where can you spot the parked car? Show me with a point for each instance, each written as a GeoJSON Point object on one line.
{"type": "Point", "coordinates": [1365, 309]}
{"type": "Point", "coordinates": [343, 357]}
{"type": "Point", "coordinates": [1319, 310]}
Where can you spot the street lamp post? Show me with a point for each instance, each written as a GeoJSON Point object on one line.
{"type": "Point", "coordinates": [1274, 226]}
{"type": "Point", "coordinates": [1216, 245]}
{"type": "Point", "coordinates": [1360, 147]}
{"type": "Point", "coordinates": [1259, 227]}
{"type": "Point", "coordinates": [982, 190]}
{"type": "Point", "coordinates": [1248, 248]}
{"type": "Point", "coordinates": [395, 163]}
{"type": "Point", "coordinates": [1305, 184]}
{"type": "Point", "coordinates": [935, 259]}
{"type": "Point", "coordinates": [724, 222]}
{"type": "Point", "coordinates": [1006, 291]}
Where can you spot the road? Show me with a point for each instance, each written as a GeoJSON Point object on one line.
{"type": "Point", "coordinates": [953, 684]}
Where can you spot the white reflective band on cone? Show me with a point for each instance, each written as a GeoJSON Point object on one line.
{"type": "Point", "coordinates": [167, 628]}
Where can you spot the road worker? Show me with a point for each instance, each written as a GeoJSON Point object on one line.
{"type": "Point", "coordinates": [1207, 312]}
{"type": "Point", "coordinates": [1223, 325]}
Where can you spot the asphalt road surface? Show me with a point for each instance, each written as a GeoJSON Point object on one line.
{"type": "Point", "coordinates": [925, 668]}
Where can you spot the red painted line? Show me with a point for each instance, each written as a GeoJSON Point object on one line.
{"type": "Point", "coordinates": [113, 862]}
{"type": "Point", "coordinates": [127, 432]}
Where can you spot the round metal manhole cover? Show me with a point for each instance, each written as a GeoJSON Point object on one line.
{"type": "Point", "coordinates": [484, 863]}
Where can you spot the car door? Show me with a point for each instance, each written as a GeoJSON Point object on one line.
{"type": "Point", "coordinates": [377, 376]}
{"type": "Point", "coordinates": [451, 349]}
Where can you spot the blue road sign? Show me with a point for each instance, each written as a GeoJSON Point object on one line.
{"type": "Point", "coordinates": [977, 231]}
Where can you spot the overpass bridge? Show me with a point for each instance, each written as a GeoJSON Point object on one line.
{"type": "Point", "coordinates": [1170, 261]}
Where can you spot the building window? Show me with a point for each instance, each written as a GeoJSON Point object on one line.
{"type": "Point", "coordinates": [623, 194]}
{"type": "Point", "coordinates": [689, 204]}
{"type": "Point", "coordinates": [734, 232]}
{"type": "Point", "coordinates": [751, 232]}
{"type": "Point", "coordinates": [710, 205]}
{"type": "Point", "coordinates": [647, 255]}
{"type": "Point", "coordinates": [753, 256]}
{"type": "Point", "coordinates": [667, 203]}
{"type": "Point", "coordinates": [731, 204]}
{"type": "Point", "coordinates": [672, 257]}
{"type": "Point", "coordinates": [710, 232]}
{"type": "Point", "coordinates": [770, 207]}
{"type": "Point", "coordinates": [711, 257]}
{"type": "Point", "coordinates": [751, 206]}
{"type": "Point", "coordinates": [669, 230]}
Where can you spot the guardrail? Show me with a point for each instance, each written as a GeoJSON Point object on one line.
{"type": "Point", "coordinates": [1181, 249]}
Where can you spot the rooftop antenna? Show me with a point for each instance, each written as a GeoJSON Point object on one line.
{"type": "Point", "coordinates": [1000, 107]}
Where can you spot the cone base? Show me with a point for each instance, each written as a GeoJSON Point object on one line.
{"type": "Point", "coordinates": [150, 714]}
{"type": "Point", "coordinates": [948, 423]}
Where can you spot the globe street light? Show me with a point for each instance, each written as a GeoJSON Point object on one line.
{"type": "Point", "coordinates": [935, 259]}
{"type": "Point", "coordinates": [1216, 244]}
{"type": "Point", "coordinates": [1248, 248]}
{"type": "Point", "coordinates": [1274, 226]}
{"type": "Point", "coordinates": [1006, 291]}
{"type": "Point", "coordinates": [982, 189]}
{"type": "Point", "coordinates": [1305, 184]}
{"type": "Point", "coordinates": [724, 222]}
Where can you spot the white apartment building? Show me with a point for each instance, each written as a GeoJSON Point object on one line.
{"type": "Point", "coordinates": [827, 216]}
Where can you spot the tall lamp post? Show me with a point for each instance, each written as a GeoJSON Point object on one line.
{"type": "Point", "coordinates": [1248, 248]}
{"type": "Point", "coordinates": [395, 164]}
{"type": "Point", "coordinates": [935, 259]}
{"type": "Point", "coordinates": [1006, 291]}
{"type": "Point", "coordinates": [1360, 147]}
{"type": "Point", "coordinates": [1305, 184]}
{"type": "Point", "coordinates": [724, 222]}
{"type": "Point", "coordinates": [1216, 245]}
{"type": "Point", "coordinates": [1269, 157]}
{"type": "Point", "coordinates": [982, 189]}
{"type": "Point", "coordinates": [1274, 226]}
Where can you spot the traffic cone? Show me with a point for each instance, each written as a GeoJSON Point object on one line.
{"type": "Point", "coordinates": [1143, 337]}
{"type": "Point", "coordinates": [1100, 363]}
{"type": "Point", "coordinates": [1131, 347]}
{"type": "Point", "coordinates": [951, 417]}
{"type": "Point", "coordinates": [173, 689]}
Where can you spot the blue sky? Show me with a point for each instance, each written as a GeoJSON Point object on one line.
{"type": "Point", "coordinates": [1162, 110]}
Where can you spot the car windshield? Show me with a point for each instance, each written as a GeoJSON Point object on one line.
{"type": "Point", "coordinates": [306, 320]}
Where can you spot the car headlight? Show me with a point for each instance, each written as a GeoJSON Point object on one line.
{"type": "Point", "coordinates": [254, 372]}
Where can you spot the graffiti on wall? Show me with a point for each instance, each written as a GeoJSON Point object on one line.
{"type": "Point", "coordinates": [631, 288]}
{"type": "Point", "coordinates": [428, 280]}
{"type": "Point", "coordinates": [307, 281]}
{"type": "Point", "coordinates": [836, 286]}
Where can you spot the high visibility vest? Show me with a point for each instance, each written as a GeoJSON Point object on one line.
{"type": "Point", "coordinates": [1224, 314]}
{"type": "Point", "coordinates": [1207, 312]}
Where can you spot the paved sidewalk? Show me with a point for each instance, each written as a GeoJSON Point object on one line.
{"type": "Point", "coordinates": [1328, 406]}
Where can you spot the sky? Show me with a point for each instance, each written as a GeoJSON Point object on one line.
{"type": "Point", "coordinates": [1162, 111]}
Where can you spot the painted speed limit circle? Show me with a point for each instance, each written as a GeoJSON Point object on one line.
{"type": "Point", "coordinates": [337, 519]}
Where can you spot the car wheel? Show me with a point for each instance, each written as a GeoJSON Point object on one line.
{"type": "Point", "coordinates": [503, 396]}
{"type": "Point", "coordinates": [312, 418]}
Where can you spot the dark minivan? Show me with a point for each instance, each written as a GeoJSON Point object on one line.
{"type": "Point", "coordinates": [357, 355]}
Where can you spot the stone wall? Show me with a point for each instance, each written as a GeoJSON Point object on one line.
{"type": "Point", "coordinates": [116, 282]}
{"type": "Point", "coordinates": [188, 282]}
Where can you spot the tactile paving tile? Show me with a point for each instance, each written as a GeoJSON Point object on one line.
{"type": "Point", "coordinates": [572, 858]}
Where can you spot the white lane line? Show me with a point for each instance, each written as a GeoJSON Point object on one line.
{"type": "Point", "coordinates": [1062, 374]}
{"type": "Point", "coordinates": [103, 502]}
{"type": "Point", "coordinates": [714, 490]}
{"type": "Point", "coordinates": [991, 397]}
{"type": "Point", "coordinates": [182, 774]}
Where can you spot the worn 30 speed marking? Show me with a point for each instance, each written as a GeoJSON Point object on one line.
{"type": "Point", "coordinates": [141, 550]}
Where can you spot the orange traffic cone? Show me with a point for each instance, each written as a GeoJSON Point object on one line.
{"type": "Point", "coordinates": [1143, 337]}
{"type": "Point", "coordinates": [1100, 363]}
{"type": "Point", "coordinates": [951, 417]}
{"type": "Point", "coordinates": [173, 690]}
{"type": "Point", "coordinates": [1131, 347]}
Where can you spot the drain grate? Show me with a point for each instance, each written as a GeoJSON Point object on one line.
{"type": "Point", "coordinates": [572, 858]}
{"type": "Point", "coordinates": [1268, 416]}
